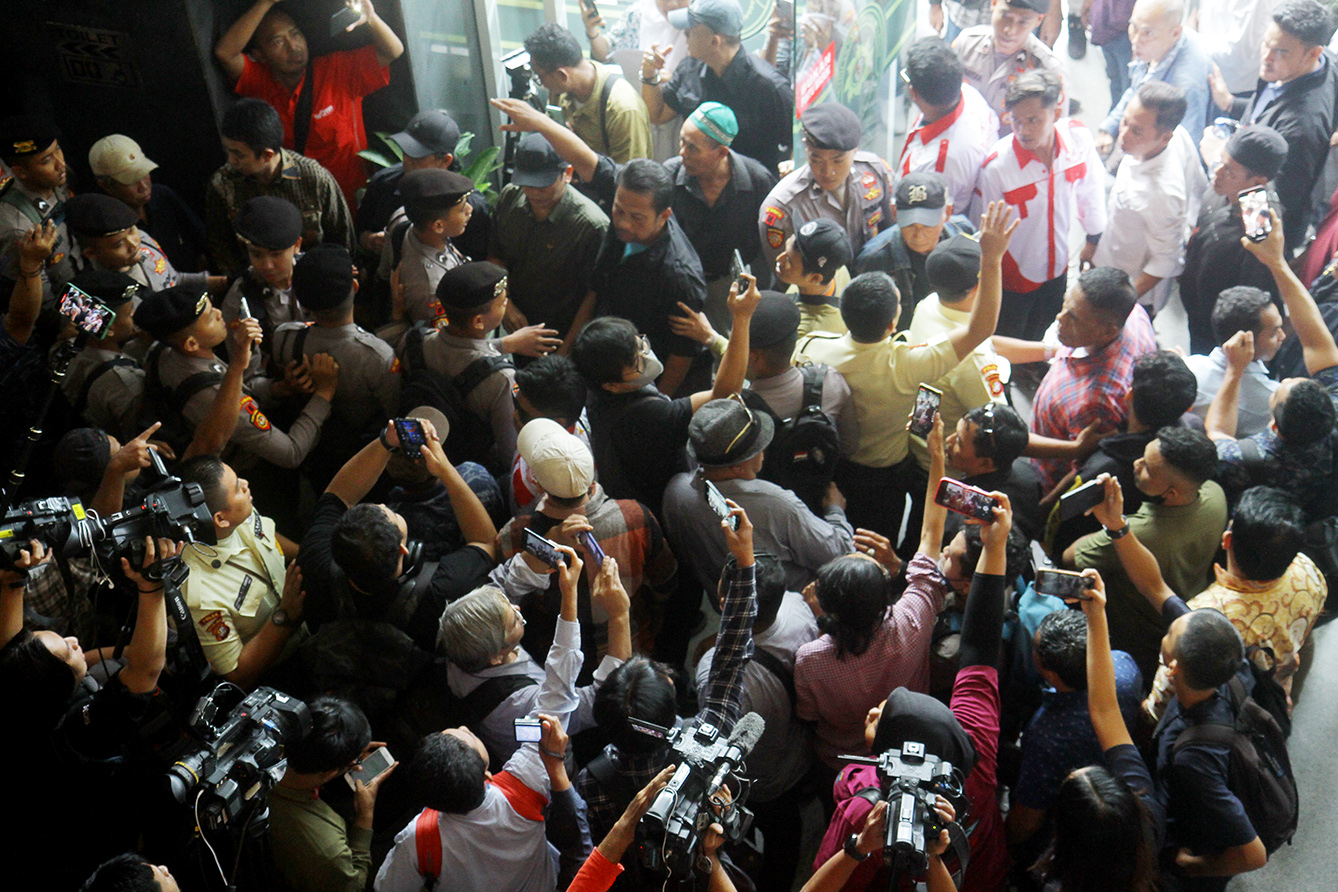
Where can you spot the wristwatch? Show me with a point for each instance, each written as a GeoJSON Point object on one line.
{"type": "Point", "coordinates": [852, 850]}
{"type": "Point", "coordinates": [1118, 534]}
{"type": "Point", "coordinates": [281, 619]}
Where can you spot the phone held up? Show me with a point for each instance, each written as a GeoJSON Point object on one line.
{"type": "Point", "coordinates": [966, 499]}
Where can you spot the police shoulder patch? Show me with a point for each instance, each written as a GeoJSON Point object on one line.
{"type": "Point", "coordinates": [254, 416]}
{"type": "Point", "coordinates": [775, 237]}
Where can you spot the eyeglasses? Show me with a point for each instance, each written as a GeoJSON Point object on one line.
{"type": "Point", "coordinates": [987, 425]}
{"type": "Point", "coordinates": [499, 289]}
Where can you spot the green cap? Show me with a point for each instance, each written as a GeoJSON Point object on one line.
{"type": "Point", "coordinates": [716, 121]}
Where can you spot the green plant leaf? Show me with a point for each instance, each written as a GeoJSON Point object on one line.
{"type": "Point", "coordinates": [392, 148]}
{"type": "Point", "coordinates": [462, 146]}
{"type": "Point", "coordinates": [376, 158]}
{"type": "Point", "coordinates": [481, 168]}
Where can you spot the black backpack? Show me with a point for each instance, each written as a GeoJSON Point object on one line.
{"type": "Point", "coordinates": [471, 437]}
{"type": "Point", "coordinates": [166, 405]}
{"type": "Point", "coordinates": [805, 450]}
{"type": "Point", "coordinates": [1260, 772]}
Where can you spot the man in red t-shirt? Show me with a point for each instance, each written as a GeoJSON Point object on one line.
{"type": "Point", "coordinates": [276, 70]}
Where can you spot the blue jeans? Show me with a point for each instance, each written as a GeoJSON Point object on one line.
{"type": "Point", "coordinates": [1119, 53]}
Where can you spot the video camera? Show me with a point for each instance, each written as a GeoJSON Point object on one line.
{"type": "Point", "coordinates": [684, 811]}
{"type": "Point", "coordinates": [521, 73]}
{"type": "Point", "coordinates": [911, 779]}
{"type": "Point", "coordinates": [240, 755]}
{"type": "Point", "coordinates": [169, 509]}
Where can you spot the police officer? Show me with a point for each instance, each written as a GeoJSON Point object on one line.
{"type": "Point", "coordinates": [436, 207]}
{"type": "Point", "coordinates": [30, 148]}
{"type": "Point", "coordinates": [187, 374]}
{"type": "Point", "coordinates": [269, 229]}
{"type": "Point", "coordinates": [839, 183]}
{"type": "Point", "coordinates": [107, 230]}
{"type": "Point", "coordinates": [368, 392]}
{"type": "Point", "coordinates": [102, 383]}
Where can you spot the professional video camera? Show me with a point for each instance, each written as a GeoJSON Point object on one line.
{"type": "Point", "coordinates": [521, 73]}
{"type": "Point", "coordinates": [684, 810]}
{"type": "Point", "coordinates": [911, 780]}
{"type": "Point", "coordinates": [169, 509]}
{"type": "Point", "coordinates": [240, 755]}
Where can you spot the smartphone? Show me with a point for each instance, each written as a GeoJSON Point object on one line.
{"type": "Point", "coordinates": [344, 18]}
{"type": "Point", "coordinates": [592, 549]}
{"type": "Point", "coordinates": [246, 309]}
{"type": "Point", "coordinates": [1077, 502]}
{"type": "Point", "coordinates": [545, 550]}
{"type": "Point", "coordinates": [1225, 127]}
{"type": "Point", "coordinates": [589, 6]}
{"type": "Point", "coordinates": [785, 9]}
{"type": "Point", "coordinates": [86, 312]}
{"type": "Point", "coordinates": [412, 437]}
{"type": "Point", "coordinates": [927, 401]}
{"type": "Point", "coordinates": [528, 730]}
{"type": "Point", "coordinates": [377, 761]}
{"type": "Point", "coordinates": [965, 499]}
{"type": "Point", "coordinates": [1064, 584]}
{"type": "Point", "coordinates": [1254, 213]}
{"type": "Point", "coordinates": [736, 269]}
{"type": "Point", "coordinates": [716, 500]}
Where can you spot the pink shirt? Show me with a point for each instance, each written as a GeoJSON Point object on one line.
{"type": "Point", "coordinates": [837, 692]}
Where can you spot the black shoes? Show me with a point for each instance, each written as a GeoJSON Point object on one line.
{"type": "Point", "coordinates": [1077, 37]}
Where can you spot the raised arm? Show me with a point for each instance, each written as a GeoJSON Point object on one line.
{"type": "Point", "coordinates": [935, 515]}
{"type": "Point", "coordinates": [1139, 564]}
{"type": "Point", "coordinates": [734, 363]}
{"type": "Point", "coordinates": [229, 49]}
{"type": "Point", "coordinates": [995, 234]}
{"type": "Point", "coordinates": [1224, 413]}
{"type": "Point", "coordinates": [146, 654]}
{"type": "Point", "coordinates": [652, 87]}
{"type": "Point", "coordinates": [1316, 340]}
{"type": "Point", "coordinates": [216, 429]}
{"type": "Point", "coordinates": [387, 45]}
{"type": "Point", "coordinates": [608, 593]}
{"type": "Point", "coordinates": [1102, 700]}
{"type": "Point", "coordinates": [734, 643]}
{"type": "Point", "coordinates": [475, 524]}
{"type": "Point", "coordinates": [360, 473]}
{"type": "Point", "coordinates": [12, 583]}
{"type": "Point", "coordinates": [25, 301]}
{"type": "Point", "coordinates": [525, 118]}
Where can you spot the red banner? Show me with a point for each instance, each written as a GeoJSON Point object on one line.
{"type": "Point", "coordinates": [811, 82]}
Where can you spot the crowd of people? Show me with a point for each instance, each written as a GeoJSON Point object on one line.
{"type": "Point", "coordinates": [470, 478]}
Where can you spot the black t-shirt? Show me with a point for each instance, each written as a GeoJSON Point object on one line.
{"type": "Point", "coordinates": [329, 595]}
{"type": "Point", "coordinates": [639, 440]}
{"type": "Point", "coordinates": [715, 231]}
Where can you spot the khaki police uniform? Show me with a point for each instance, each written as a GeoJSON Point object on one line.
{"type": "Point", "coordinates": [864, 208]}
{"type": "Point", "coordinates": [369, 381]}
{"type": "Point", "coordinates": [20, 212]}
{"type": "Point", "coordinates": [449, 355]}
{"type": "Point", "coordinates": [421, 268]}
{"type": "Point", "coordinates": [272, 306]}
{"type": "Point", "coordinates": [115, 399]}
{"type": "Point", "coordinates": [233, 589]}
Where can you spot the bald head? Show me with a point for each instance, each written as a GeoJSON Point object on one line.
{"type": "Point", "coordinates": [1154, 27]}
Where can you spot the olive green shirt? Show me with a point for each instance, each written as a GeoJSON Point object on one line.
{"type": "Point", "coordinates": [313, 848]}
{"type": "Point", "coordinates": [625, 121]}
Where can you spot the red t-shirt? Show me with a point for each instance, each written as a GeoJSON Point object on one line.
{"type": "Point", "coordinates": [336, 135]}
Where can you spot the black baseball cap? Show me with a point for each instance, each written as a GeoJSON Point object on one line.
{"type": "Point", "coordinates": [921, 196]}
{"type": "Point", "coordinates": [431, 132]}
{"type": "Point", "coordinates": [537, 164]}
{"type": "Point", "coordinates": [953, 267]}
{"type": "Point", "coordinates": [824, 246]}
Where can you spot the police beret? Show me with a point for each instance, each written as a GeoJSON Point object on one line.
{"type": "Point", "coordinates": [93, 214]}
{"type": "Point", "coordinates": [1259, 149]}
{"type": "Point", "coordinates": [25, 135]}
{"type": "Point", "coordinates": [775, 319]}
{"type": "Point", "coordinates": [113, 289]}
{"type": "Point", "coordinates": [268, 222]}
{"type": "Point", "coordinates": [434, 189]}
{"type": "Point", "coordinates": [323, 277]}
{"type": "Point", "coordinates": [831, 126]}
{"type": "Point", "coordinates": [165, 313]}
{"type": "Point", "coordinates": [469, 286]}
{"type": "Point", "coordinates": [953, 267]}
{"type": "Point", "coordinates": [824, 246]}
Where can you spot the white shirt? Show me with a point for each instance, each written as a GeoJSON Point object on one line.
{"type": "Point", "coordinates": [1152, 209]}
{"type": "Point", "coordinates": [954, 145]}
{"type": "Point", "coordinates": [1256, 389]}
{"type": "Point", "coordinates": [1045, 199]}
{"type": "Point", "coordinates": [1232, 32]}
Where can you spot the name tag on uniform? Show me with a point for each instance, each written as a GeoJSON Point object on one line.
{"type": "Point", "coordinates": [241, 595]}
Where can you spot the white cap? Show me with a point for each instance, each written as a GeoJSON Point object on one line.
{"type": "Point", "coordinates": [561, 462]}
{"type": "Point", "coordinates": [119, 158]}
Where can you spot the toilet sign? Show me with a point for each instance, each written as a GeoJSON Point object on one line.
{"type": "Point", "coordinates": [93, 55]}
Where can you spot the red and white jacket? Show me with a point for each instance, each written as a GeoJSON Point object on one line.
{"type": "Point", "coordinates": [953, 146]}
{"type": "Point", "coordinates": [1045, 199]}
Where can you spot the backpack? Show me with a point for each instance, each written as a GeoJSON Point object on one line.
{"type": "Point", "coordinates": [805, 449]}
{"type": "Point", "coordinates": [1260, 770]}
{"type": "Point", "coordinates": [166, 405]}
{"type": "Point", "coordinates": [471, 437]}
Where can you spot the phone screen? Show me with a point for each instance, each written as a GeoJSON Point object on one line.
{"type": "Point", "coordinates": [1063, 584]}
{"type": "Point", "coordinates": [785, 9]}
{"type": "Point", "coordinates": [543, 549]}
{"type": "Point", "coordinates": [592, 549]}
{"type": "Point", "coordinates": [964, 499]}
{"type": "Point", "coordinates": [528, 730]}
{"type": "Point", "coordinates": [412, 437]}
{"type": "Point", "coordinates": [716, 500]}
{"type": "Point", "coordinates": [377, 761]}
{"type": "Point", "coordinates": [86, 312]}
{"type": "Point", "coordinates": [1254, 213]}
{"type": "Point", "coordinates": [927, 401]}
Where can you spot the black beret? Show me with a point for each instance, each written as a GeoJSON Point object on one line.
{"type": "Point", "coordinates": [164, 313]}
{"type": "Point", "coordinates": [323, 277]}
{"type": "Point", "coordinates": [953, 266]}
{"type": "Point", "coordinates": [113, 289]}
{"type": "Point", "coordinates": [1259, 149]}
{"type": "Point", "coordinates": [268, 222]}
{"type": "Point", "coordinates": [831, 125]}
{"type": "Point", "coordinates": [25, 135]}
{"type": "Point", "coordinates": [434, 189]}
{"type": "Point", "coordinates": [775, 319]}
{"type": "Point", "coordinates": [94, 214]}
{"type": "Point", "coordinates": [469, 285]}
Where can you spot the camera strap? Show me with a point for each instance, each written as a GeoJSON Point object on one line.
{"type": "Point", "coordinates": [427, 839]}
{"type": "Point", "coordinates": [302, 112]}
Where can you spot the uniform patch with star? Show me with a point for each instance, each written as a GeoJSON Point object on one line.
{"type": "Point", "coordinates": [254, 415]}
{"type": "Point", "coordinates": [215, 624]}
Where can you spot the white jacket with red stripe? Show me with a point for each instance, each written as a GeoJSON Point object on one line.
{"type": "Point", "coordinates": [953, 146]}
{"type": "Point", "coordinates": [1045, 199]}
